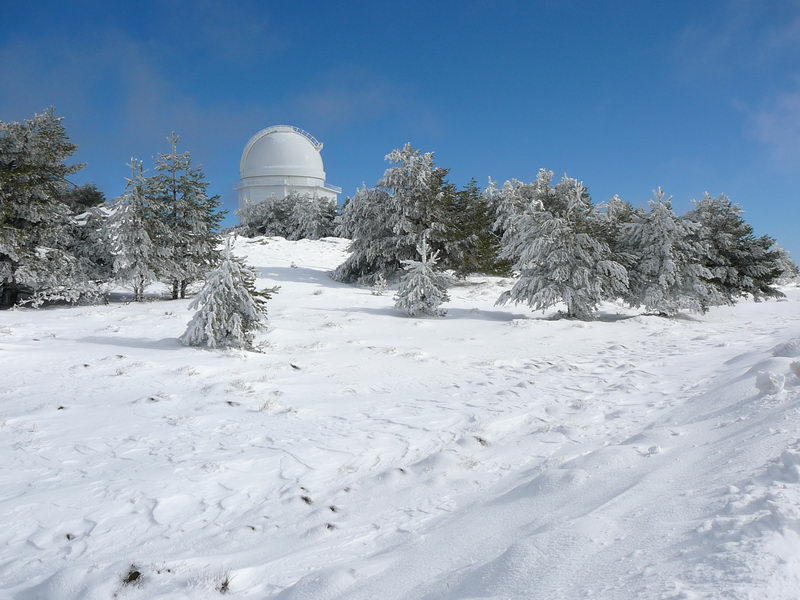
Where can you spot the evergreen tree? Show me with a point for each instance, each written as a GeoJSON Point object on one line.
{"type": "Point", "coordinates": [789, 269]}
{"type": "Point", "coordinates": [610, 223]}
{"type": "Point", "coordinates": [668, 274]}
{"type": "Point", "coordinates": [422, 290]}
{"type": "Point", "coordinates": [739, 263]}
{"type": "Point", "coordinates": [271, 217]}
{"type": "Point", "coordinates": [508, 204]}
{"type": "Point", "coordinates": [312, 218]}
{"type": "Point", "coordinates": [372, 248]}
{"type": "Point", "coordinates": [33, 219]}
{"type": "Point", "coordinates": [133, 226]}
{"type": "Point", "coordinates": [230, 307]}
{"type": "Point", "coordinates": [558, 252]}
{"type": "Point", "coordinates": [88, 242]}
{"type": "Point", "coordinates": [191, 217]}
{"type": "Point", "coordinates": [81, 198]}
{"type": "Point", "coordinates": [411, 199]}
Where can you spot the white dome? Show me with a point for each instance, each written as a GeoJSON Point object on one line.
{"type": "Point", "coordinates": [282, 150]}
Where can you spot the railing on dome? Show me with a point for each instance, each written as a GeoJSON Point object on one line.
{"type": "Point", "coordinates": [316, 143]}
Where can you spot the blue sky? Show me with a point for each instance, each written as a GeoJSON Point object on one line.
{"type": "Point", "coordinates": [625, 96]}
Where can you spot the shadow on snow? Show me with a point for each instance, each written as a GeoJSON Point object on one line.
{"type": "Point", "coordinates": [126, 342]}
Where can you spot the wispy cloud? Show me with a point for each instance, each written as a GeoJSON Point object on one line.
{"type": "Point", "coordinates": [777, 126]}
{"type": "Point", "coordinates": [752, 49]}
{"type": "Point", "coordinates": [744, 36]}
{"type": "Point", "coordinates": [346, 95]}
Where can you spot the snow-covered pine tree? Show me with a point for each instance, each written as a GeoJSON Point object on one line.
{"type": "Point", "coordinates": [668, 273]}
{"type": "Point", "coordinates": [558, 252]}
{"type": "Point", "coordinates": [422, 289]}
{"type": "Point", "coordinates": [409, 200]}
{"type": "Point", "coordinates": [231, 310]}
{"type": "Point", "coordinates": [610, 222]}
{"type": "Point", "coordinates": [88, 242]}
{"type": "Point", "coordinates": [131, 228]}
{"type": "Point", "coordinates": [790, 272]}
{"type": "Point", "coordinates": [271, 217]}
{"type": "Point", "coordinates": [32, 217]}
{"type": "Point", "coordinates": [372, 248]}
{"type": "Point", "coordinates": [311, 218]}
{"type": "Point", "coordinates": [508, 205]}
{"type": "Point", "coordinates": [191, 216]}
{"type": "Point", "coordinates": [739, 262]}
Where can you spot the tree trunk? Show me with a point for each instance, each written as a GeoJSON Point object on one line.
{"type": "Point", "coordinates": [184, 283]}
{"type": "Point", "coordinates": [175, 289]}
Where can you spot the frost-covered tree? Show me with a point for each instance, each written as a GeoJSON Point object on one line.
{"type": "Point", "coordinates": [508, 204]}
{"type": "Point", "coordinates": [612, 218]}
{"type": "Point", "coordinates": [81, 198]}
{"type": "Point", "coordinates": [87, 242]}
{"type": "Point", "coordinates": [422, 289]}
{"type": "Point", "coordinates": [312, 218]}
{"type": "Point", "coordinates": [133, 226]}
{"type": "Point", "coordinates": [271, 217]}
{"type": "Point", "coordinates": [230, 309]}
{"type": "Point", "coordinates": [410, 199]}
{"type": "Point", "coordinates": [372, 247]}
{"type": "Point", "coordinates": [191, 216]}
{"type": "Point", "coordinates": [739, 262]}
{"type": "Point", "coordinates": [33, 219]}
{"type": "Point", "coordinates": [296, 216]}
{"type": "Point", "coordinates": [558, 252]}
{"type": "Point", "coordinates": [668, 273]}
{"type": "Point", "coordinates": [789, 269]}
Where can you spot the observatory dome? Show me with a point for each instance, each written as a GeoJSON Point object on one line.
{"type": "Point", "coordinates": [282, 150]}
{"type": "Point", "coordinates": [281, 160]}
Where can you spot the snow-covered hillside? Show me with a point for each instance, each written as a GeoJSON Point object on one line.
{"type": "Point", "coordinates": [494, 453]}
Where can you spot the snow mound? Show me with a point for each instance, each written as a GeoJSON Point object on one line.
{"type": "Point", "coordinates": [789, 349]}
{"type": "Point", "coordinates": [769, 382]}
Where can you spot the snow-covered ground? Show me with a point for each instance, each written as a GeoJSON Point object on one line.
{"type": "Point", "coordinates": [494, 453]}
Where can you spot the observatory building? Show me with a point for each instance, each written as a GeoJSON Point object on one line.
{"type": "Point", "coordinates": [280, 160]}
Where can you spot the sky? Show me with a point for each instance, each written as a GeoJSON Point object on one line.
{"type": "Point", "coordinates": [625, 96]}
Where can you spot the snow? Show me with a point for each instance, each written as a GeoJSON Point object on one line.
{"type": "Point", "coordinates": [493, 453]}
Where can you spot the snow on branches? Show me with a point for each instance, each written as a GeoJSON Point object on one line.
{"type": "Point", "coordinates": [422, 289]}
{"type": "Point", "coordinates": [231, 310]}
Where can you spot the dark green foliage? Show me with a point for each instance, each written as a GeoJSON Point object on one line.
{"type": "Point", "coordinates": [468, 224]}
{"type": "Point", "coordinates": [81, 198]}
{"type": "Point", "coordinates": [191, 218]}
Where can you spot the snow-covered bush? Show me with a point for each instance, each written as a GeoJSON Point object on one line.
{"type": "Point", "coordinates": [296, 216]}
{"type": "Point", "coordinates": [380, 286]}
{"type": "Point", "coordinates": [557, 251]}
{"type": "Point", "coordinates": [311, 218]}
{"type": "Point", "coordinates": [422, 290]}
{"type": "Point", "coordinates": [230, 309]}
